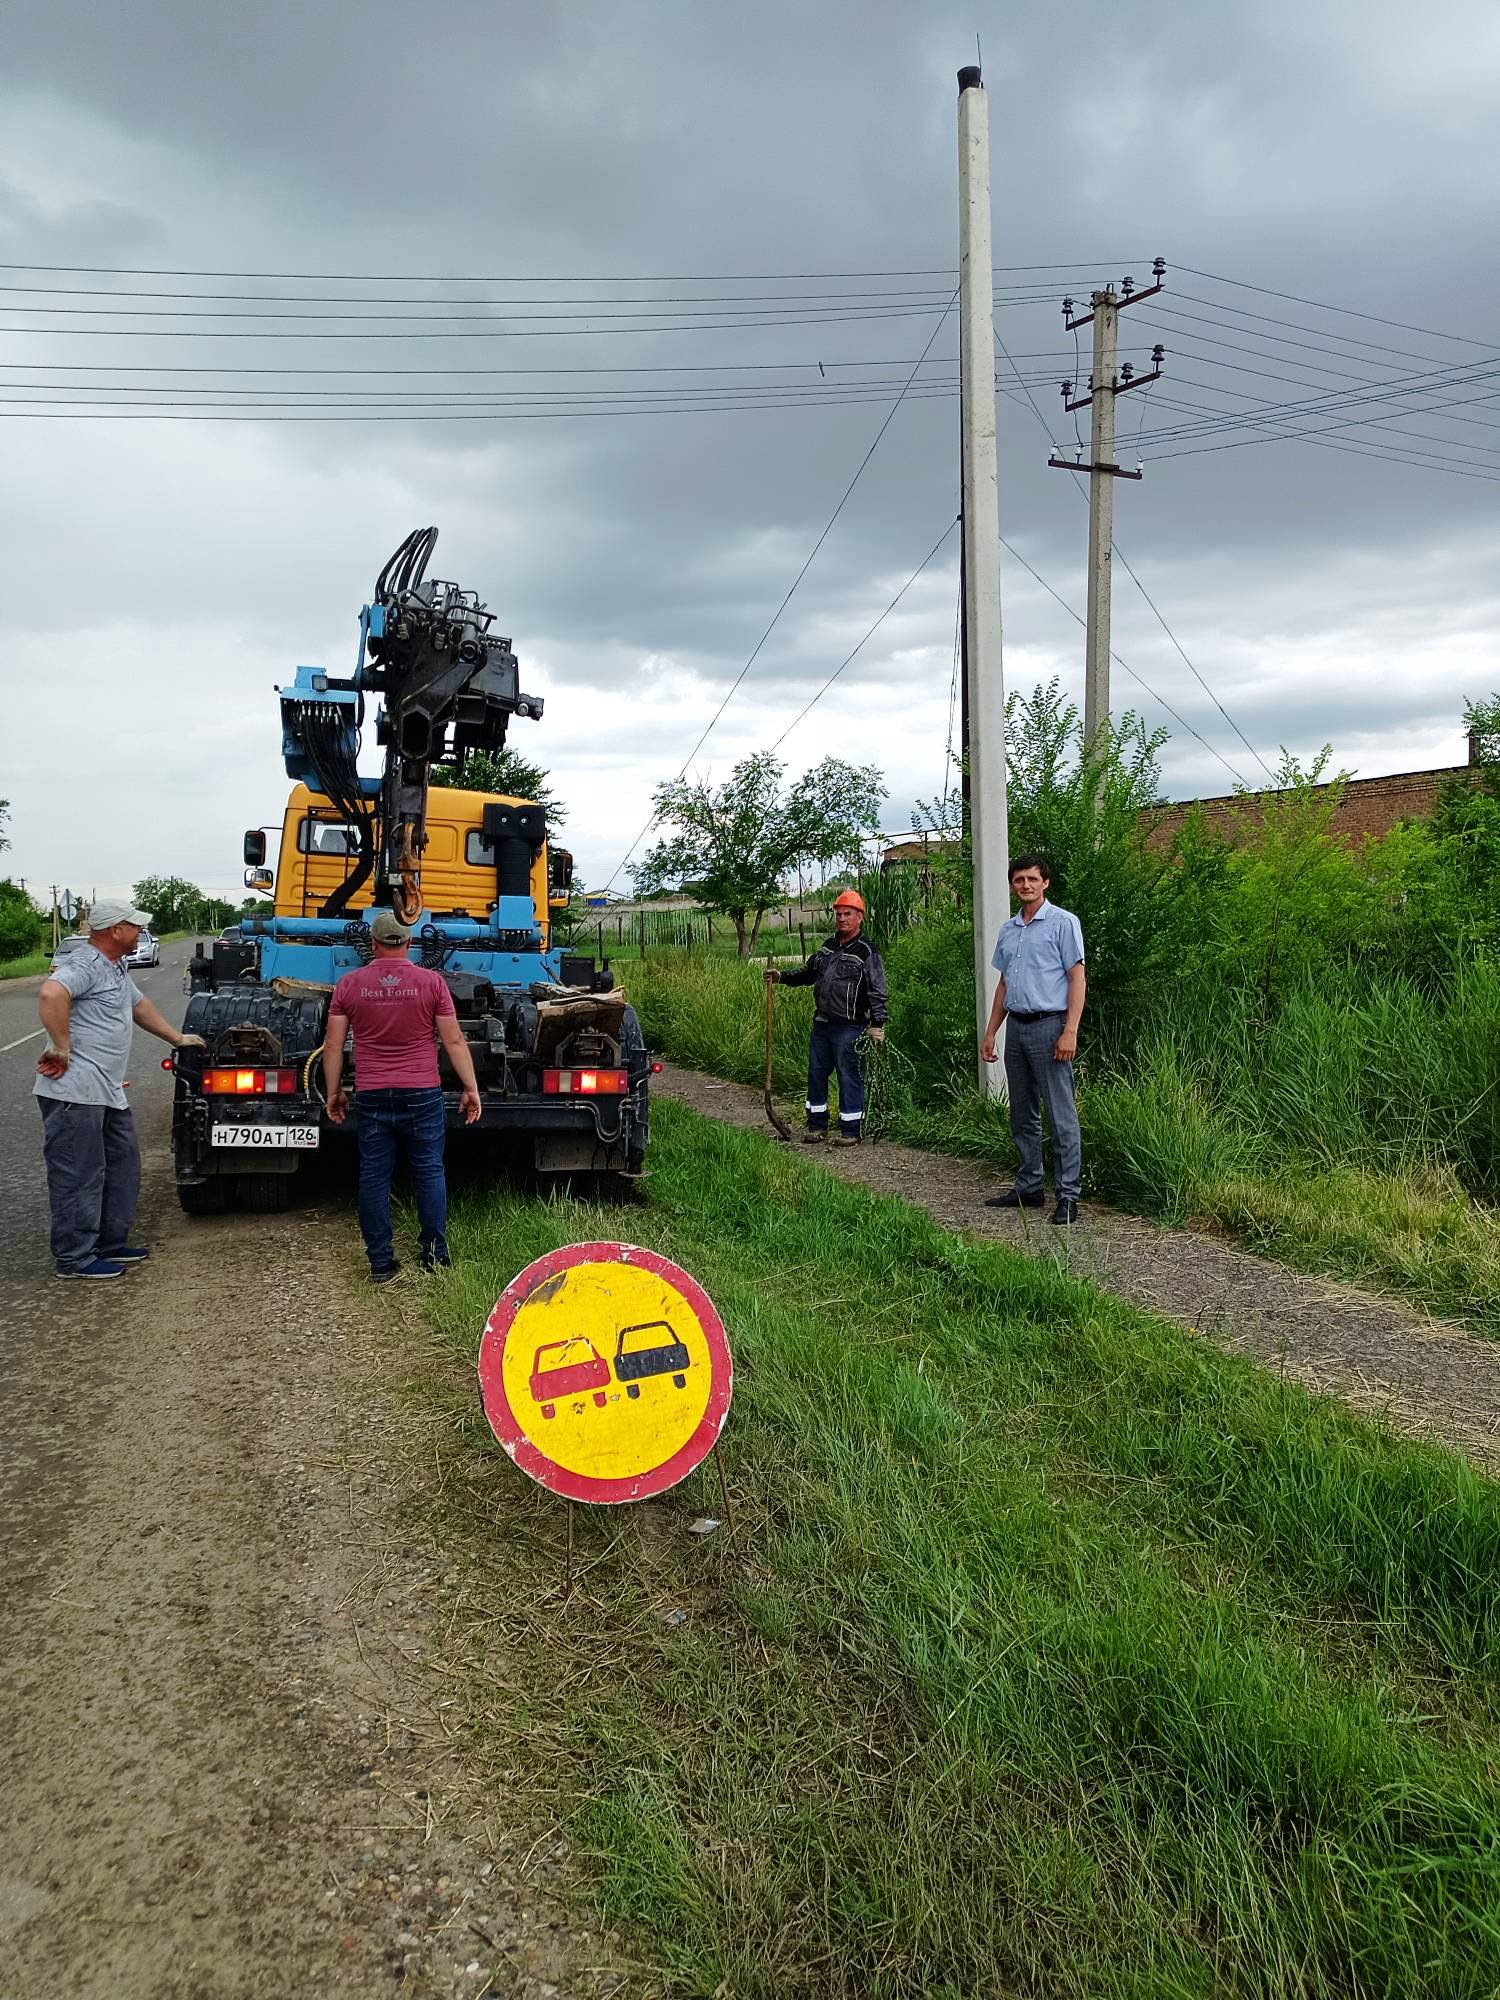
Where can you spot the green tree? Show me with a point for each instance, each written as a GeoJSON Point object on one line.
{"type": "Point", "coordinates": [504, 772]}
{"type": "Point", "coordinates": [179, 905]}
{"type": "Point", "coordinates": [736, 842]}
{"type": "Point", "coordinates": [23, 928]}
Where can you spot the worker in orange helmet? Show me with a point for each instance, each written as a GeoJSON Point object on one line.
{"type": "Point", "coordinates": [848, 982]}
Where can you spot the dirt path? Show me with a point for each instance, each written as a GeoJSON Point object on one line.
{"type": "Point", "coordinates": [1424, 1376]}
{"type": "Point", "coordinates": [222, 1772]}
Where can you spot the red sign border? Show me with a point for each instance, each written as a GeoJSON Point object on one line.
{"type": "Point", "coordinates": [502, 1418]}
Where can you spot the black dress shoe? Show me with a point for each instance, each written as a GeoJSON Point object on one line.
{"type": "Point", "coordinates": [1013, 1198]}
{"type": "Point", "coordinates": [1065, 1211]}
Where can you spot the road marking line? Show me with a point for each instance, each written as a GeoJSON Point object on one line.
{"type": "Point", "coordinates": [35, 1035]}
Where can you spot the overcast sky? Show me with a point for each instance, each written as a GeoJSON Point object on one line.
{"type": "Point", "coordinates": [162, 576]}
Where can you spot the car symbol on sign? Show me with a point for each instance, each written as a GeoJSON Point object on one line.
{"type": "Point", "coordinates": [568, 1378]}
{"type": "Point", "coordinates": [662, 1357]}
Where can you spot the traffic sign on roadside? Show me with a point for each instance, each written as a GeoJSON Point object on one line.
{"type": "Point", "coordinates": [605, 1372]}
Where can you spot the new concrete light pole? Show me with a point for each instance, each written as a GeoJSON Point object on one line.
{"type": "Point", "coordinates": [985, 680]}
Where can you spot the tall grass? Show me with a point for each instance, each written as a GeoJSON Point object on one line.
{"type": "Point", "coordinates": [1052, 1652]}
{"type": "Point", "coordinates": [1348, 1136]}
{"type": "Point", "coordinates": [29, 965]}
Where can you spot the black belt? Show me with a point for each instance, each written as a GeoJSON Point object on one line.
{"type": "Point", "coordinates": [1047, 1014]}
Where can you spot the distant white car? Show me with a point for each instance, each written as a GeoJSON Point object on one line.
{"type": "Point", "coordinates": [147, 950]}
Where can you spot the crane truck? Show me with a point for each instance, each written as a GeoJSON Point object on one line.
{"type": "Point", "coordinates": [559, 1055]}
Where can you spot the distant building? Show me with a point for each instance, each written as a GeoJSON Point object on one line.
{"type": "Point", "coordinates": [1368, 808]}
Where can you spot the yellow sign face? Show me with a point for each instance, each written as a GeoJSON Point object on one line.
{"type": "Point", "coordinates": [605, 1372]}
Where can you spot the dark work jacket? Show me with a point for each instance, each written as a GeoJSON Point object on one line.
{"type": "Point", "coordinates": [848, 981]}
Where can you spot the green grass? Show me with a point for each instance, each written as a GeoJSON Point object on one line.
{"type": "Point", "coordinates": [1333, 1143]}
{"type": "Point", "coordinates": [1053, 1652]}
{"type": "Point", "coordinates": [30, 965]}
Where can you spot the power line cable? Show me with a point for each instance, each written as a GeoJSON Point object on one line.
{"type": "Point", "coordinates": [552, 278]}
{"type": "Point", "coordinates": [421, 416]}
{"type": "Point", "coordinates": [1357, 448]}
{"type": "Point", "coordinates": [1373, 423]}
{"type": "Point", "coordinates": [851, 656]}
{"type": "Point", "coordinates": [1197, 352]}
{"type": "Point", "coordinates": [958, 617]}
{"type": "Point", "coordinates": [563, 368]}
{"type": "Point", "coordinates": [776, 616]}
{"type": "Point", "coordinates": [491, 331]}
{"type": "Point", "coordinates": [1155, 608]}
{"type": "Point", "coordinates": [1078, 618]}
{"type": "Point", "coordinates": [1301, 326]}
{"type": "Point", "coordinates": [1322, 305]}
{"type": "Point", "coordinates": [928, 294]}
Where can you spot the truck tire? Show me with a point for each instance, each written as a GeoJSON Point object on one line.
{"type": "Point", "coordinates": [209, 1197]}
{"type": "Point", "coordinates": [266, 1194]}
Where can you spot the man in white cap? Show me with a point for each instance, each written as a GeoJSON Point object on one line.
{"type": "Point", "coordinates": [399, 1012]}
{"type": "Point", "coordinates": [88, 1004]}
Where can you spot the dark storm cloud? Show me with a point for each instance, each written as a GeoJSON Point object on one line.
{"type": "Point", "coordinates": [176, 571]}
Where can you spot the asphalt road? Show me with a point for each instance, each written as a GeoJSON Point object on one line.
{"type": "Point", "coordinates": [50, 1389]}
{"type": "Point", "coordinates": [24, 1257]}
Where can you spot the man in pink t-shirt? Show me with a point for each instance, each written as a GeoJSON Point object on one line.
{"type": "Point", "coordinates": [399, 1012]}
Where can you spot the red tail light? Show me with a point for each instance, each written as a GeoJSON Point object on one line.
{"type": "Point", "coordinates": [585, 1082]}
{"type": "Point", "coordinates": [249, 1082]}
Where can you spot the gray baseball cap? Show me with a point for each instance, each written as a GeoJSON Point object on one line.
{"type": "Point", "coordinates": [386, 930]}
{"type": "Point", "coordinates": [115, 910]}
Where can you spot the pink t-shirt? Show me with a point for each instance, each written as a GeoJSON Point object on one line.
{"type": "Point", "coordinates": [393, 1007]}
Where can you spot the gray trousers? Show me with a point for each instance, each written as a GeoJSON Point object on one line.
{"type": "Point", "coordinates": [93, 1179]}
{"type": "Point", "coordinates": [1031, 1076]}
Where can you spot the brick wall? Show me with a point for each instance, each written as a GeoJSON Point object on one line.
{"type": "Point", "coordinates": [1369, 807]}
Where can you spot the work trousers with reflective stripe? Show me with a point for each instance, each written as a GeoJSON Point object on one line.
{"type": "Point", "coordinates": [832, 1048]}
{"type": "Point", "coordinates": [93, 1179]}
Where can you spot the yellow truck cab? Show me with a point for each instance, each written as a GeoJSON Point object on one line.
{"type": "Point", "coordinates": [319, 850]}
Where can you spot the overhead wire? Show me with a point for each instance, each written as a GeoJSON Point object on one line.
{"type": "Point", "coordinates": [1322, 305]}
{"type": "Point", "coordinates": [776, 615]}
{"type": "Point", "coordinates": [944, 271]}
{"type": "Point", "coordinates": [1155, 608]}
{"type": "Point", "coordinates": [852, 655]}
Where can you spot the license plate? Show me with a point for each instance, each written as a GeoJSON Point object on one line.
{"type": "Point", "coordinates": [265, 1138]}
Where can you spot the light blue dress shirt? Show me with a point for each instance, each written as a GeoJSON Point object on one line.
{"type": "Point", "coordinates": [1035, 959]}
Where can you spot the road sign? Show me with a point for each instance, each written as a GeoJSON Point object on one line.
{"type": "Point", "coordinates": [67, 908]}
{"type": "Point", "coordinates": [605, 1372]}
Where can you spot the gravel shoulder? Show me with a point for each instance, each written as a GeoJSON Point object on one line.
{"type": "Point", "coordinates": [1423, 1376]}
{"type": "Point", "coordinates": [224, 1771]}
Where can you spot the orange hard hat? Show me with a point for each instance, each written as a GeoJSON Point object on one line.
{"type": "Point", "coordinates": [849, 899]}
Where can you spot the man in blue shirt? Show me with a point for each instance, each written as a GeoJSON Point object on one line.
{"type": "Point", "coordinates": [1040, 991]}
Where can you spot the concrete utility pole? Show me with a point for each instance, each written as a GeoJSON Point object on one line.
{"type": "Point", "coordinates": [1101, 516]}
{"type": "Point", "coordinates": [1106, 383]}
{"type": "Point", "coordinates": [984, 679]}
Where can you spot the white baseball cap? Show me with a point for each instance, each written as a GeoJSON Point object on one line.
{"type": "Point", "coordinates": [115, 910]}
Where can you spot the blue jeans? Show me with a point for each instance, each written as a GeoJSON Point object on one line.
{"type": "Point", "coordinates": [832, 1048]}
{"type": "Point", "coordinates": [391, 1121]}
{"type": "Point", "coordinates": [93, 1179]}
